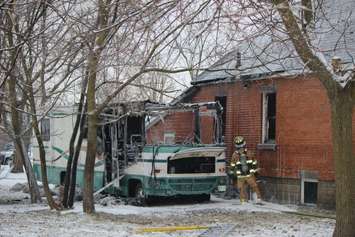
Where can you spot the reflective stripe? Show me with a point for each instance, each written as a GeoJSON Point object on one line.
{"type": "Point", "coordinates": [252, 171]}
{"type": "Point", "coordinates": [233, 164]}
{"type": "Point", "coordinates": [238, 172]}
{"type": "Point", "coordinates": [244, 176]}
{"type": "Point", "coordinates": [255, 162]}
{"type": "Point", "coordinates": [238, 163]}
{"type": "Point", "coordinates": [249, 161]}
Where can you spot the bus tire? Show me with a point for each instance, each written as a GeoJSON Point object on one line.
{"type": "Point", "coordinates": [8, 161]}
{"type": "Point", "coordinates": [204, 197]}
{"type": "Point", "coordinates": [139, 195]}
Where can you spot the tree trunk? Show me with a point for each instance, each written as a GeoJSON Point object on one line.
{"type": "Point", "coordinates": [88, 202]}
{"type": "Point", "coordinates": [68, 177]}
{"type": "Point", "coordinates": [42, 156]}
{"type": "Point", "coordinates": [32, 183]}
{"type": "Point", "coordinates": [19, 144]}
{"type": "Point", "coordinates": [42, 152]}
{"type": "Point", "coordinates": [75, 162]}
{"type": "Point", "coordinates": [93, 65]}
{"type": "Point", "coordinates": [15, 115]}
{"type": "Point", "coordinates": [17, 162]}
{"type": "Point", "coordinates": [344, 161]}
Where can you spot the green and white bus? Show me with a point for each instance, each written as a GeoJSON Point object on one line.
{"type": "Point", "coordinates": [127, 163]}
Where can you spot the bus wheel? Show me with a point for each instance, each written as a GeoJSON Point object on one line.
{"type": "Point", "coordinates": [139, 195]}
{"type": "Point", "coordinates": [204, 197]}
{"type": "Point", "coordinates": [8, 161]}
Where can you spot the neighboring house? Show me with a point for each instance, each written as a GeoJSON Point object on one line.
{"type": "Point", "coordinates": [4, 139]}
{"type": "Point", "coordinates": [6, 148]}
{"type": "Point", "coordinates": [282, 111]}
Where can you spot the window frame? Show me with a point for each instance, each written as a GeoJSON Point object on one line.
{"type": "Point", "coordinates": [265, 139]}
{"type": "Point", "coordinates": [308, 180]}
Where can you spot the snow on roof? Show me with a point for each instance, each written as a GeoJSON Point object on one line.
{"type": "Point", "coordinates": [337, 26]}
{"type": "Point", "coordinates": [222, 69]}
{"type": "Point", "coordinates": [269, 54]}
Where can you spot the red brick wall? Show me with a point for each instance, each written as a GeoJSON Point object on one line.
{"type": "Point", "coordinates": [180, 123]}
{"type": "Point", "coordinates": [303, 134]}
{"type": "Point", "coordinates": [208, 93]}
{"type": "Point", "coordinates": [303, 128]}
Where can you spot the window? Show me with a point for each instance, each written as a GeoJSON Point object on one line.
{"type": "Point", "coordinates": [45, 129]}
{"type": "Point", "coordinates": [192, 165]}
{"type": "Point", "coordinates": [62, 177]}
{"type": "Point", "coordinates": [269, 117]}
{"type": "Point", "coordinates": [309, 191]}
{"type": "Point", "coordinates": [169, 138]}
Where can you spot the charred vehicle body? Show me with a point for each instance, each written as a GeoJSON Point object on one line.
{"type": "Point", "coordinates": [128, 164]}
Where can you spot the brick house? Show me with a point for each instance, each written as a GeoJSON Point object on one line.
{"type": "Point", "coordinates": [286, 122]}
{"type": "Point", "coordinates": [282, 111]}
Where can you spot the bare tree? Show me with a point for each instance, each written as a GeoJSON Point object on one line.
{"type": "Point", "coordinates": [340, 90]}
{"type": "Point", "coordinates": [39, 59]}
{"type": "Point", "coordinates": [12, 77]}
{"type": "Point", "coordinates": [128, 38]}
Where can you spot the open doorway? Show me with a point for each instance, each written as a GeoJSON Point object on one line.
{"type": "Point", "coordinates": [223, 102]}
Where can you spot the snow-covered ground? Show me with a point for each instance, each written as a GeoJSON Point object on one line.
{"type": "Point", "coordinates": [249, 220]}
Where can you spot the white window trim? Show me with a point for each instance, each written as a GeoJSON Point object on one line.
{"type": "Point", "coordinates": [303, 180]}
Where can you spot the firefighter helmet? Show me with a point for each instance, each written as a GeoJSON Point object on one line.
{"type": "Point", "coordinates": [239, 142]}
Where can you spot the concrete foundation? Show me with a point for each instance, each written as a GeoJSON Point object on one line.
{"type": "Point", "coordinates": [289, 191]}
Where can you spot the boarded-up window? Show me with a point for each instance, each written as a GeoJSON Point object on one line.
{"type": "Point", "coordinates": [169, 138]}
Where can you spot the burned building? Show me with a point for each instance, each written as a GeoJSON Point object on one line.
{"type": "Point", "coordinates": [280, 107]}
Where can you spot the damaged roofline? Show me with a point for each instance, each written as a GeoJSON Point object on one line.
{"type": "Point", "coordinates": [251, 77]}
{"type": "Point", "coordinates": [248, 77]}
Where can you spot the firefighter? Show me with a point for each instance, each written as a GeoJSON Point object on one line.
{"type": "Point", "coordinates": [243, 170]}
